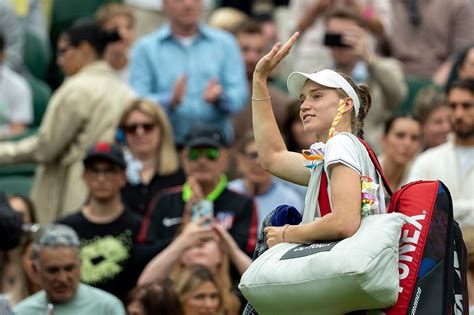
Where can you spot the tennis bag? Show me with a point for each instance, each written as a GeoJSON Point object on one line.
{"type": "Point", "coordinates": [328, 277]}
{"type": "Point", "coordinates": [432, 257]}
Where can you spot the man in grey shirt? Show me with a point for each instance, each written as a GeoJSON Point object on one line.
{"type": "Point", "coordinates": [57, 263]}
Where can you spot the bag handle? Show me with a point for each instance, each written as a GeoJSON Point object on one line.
{"type": "Point", "coordinates": [377, 165]}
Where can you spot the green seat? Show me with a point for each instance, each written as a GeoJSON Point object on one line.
{"type": "Point", "coordinates": [36, 55]}
{"type": "Point", "coordinates": [414, 86]}
{"type": "Point", "coordinates": [16, 185]}
{"type": "Point", "coordinates": [17, 170]}
{"type": "Point", "coordinates": [41, 94]}
{"type": "Point", "coordinates": [66, 12]}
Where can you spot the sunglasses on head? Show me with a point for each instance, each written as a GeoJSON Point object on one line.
{"type": "Point", "coordinates": [133, 128]}
{"type": "Point", "coordinates": [210, 153]}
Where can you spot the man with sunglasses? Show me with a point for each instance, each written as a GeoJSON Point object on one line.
{"type": "Point", "coordinates": [205, 158]}
{"type": "Point", "coordinates": [106, 229]}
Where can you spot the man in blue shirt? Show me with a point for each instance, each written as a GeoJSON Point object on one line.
{"type": "Point", "coordinates": [195, 72]}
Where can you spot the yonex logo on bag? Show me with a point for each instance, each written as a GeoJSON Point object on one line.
{"type": "Point", "coordinates": [411, 232]}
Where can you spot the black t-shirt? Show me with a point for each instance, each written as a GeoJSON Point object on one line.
{"type": "Point", "coordinates": [107, 251]}
{"type": "Point", "coordinates": [137, 197]}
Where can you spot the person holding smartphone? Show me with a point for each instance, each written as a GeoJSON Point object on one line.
{"type": "Point", "coordinates": [352, 50]}
{"type": "Point", "coordinates": [205, 158]}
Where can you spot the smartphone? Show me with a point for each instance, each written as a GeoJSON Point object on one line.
{"type": "Point", "coordinates": [334, 40]}
{"type": "Point", "coordinates": [203, 209]}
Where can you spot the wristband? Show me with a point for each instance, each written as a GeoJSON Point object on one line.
{"type": "Point", "coordinates": [260, 99]}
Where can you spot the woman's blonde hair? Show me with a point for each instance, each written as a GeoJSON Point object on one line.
{"type": "Point", "coordinates": [229, 301]}
{"type": "Point", "coordinates": [111, 10]}
{"type": "Point", "coordinates": [167, 155]}
{"type": "Point", "coordinates": [190, 278]}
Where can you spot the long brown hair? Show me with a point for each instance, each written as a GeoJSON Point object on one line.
{"type": "Point", "coordinates": [167, 155]}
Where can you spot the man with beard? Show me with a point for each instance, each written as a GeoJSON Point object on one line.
{"type": "Point", "coordinates": [205, 158]}
{"type": "Point", "coordinates": [453, 161]}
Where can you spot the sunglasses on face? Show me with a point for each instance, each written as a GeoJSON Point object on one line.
{"type": "Point", "coordinates": [133, 128]}
{"type": "Point", "coordinates": [210, 153]}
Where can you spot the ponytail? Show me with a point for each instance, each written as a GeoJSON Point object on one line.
{"type": "Point", "coordinates": [365, 103]}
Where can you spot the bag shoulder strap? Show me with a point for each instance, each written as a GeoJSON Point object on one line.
{"type": "Point", "coordinates": [323, 197]}
{"type": "Point", "coordinates": [377, 165]}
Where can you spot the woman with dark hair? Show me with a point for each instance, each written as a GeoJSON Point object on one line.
{"type": "Point", "coordinates": [153, 299]}
{"type": "Point", "coordinates": [401, 142]}
{"type": "Point", "coordinates": [18, 279]}
{"type": "Point", "coordinates": [85, 109]}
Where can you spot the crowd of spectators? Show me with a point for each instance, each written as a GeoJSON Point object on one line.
{"type": "Point", "coordinates": [148, 193]}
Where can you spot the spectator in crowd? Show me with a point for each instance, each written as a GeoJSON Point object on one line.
{"type": "Point", "coordinates": [16, 102]}
{"type": "Point", "coordinates": [252, 45]}
{"type": "Point", "coordinates": [24, 205]}
{"type": "Point", "coordinates": [227, 19]}
{"type": "Point", "coordinates": [463, 65]}
{"type": "Point", "coordinates": [205, 159]}
{"type": "Point", "coordinates": [153, 299]}
{"type": "Point", "coordinates": [85, 109]}
{"type": "Point", "coordinates": [119, 17]}
{"type": "Point", "coordinates": [384, 76]}
{"type": "Point", "coordinates": [18, 279]}
{"type": "Point", "coordinates": [401, 142]}
{"type": "Point", "coordinates": [199, 244]}
{"type": "Point", "coordinates": [309, 16]}
{"type": "Point", "coordinates": [432, 110]}
{"type": "Point", "coordinates": [153, 162]}
{"type": "Point", "coordinates": [195, 72]}
{"type": "Point", "coordinates": [449, 25]}
{"type": "Point", "coordinates": [10, 26]}
{"type": "Point", "coordinates": [453, 161]}
{"type": "Point", "coordinates": [10, 225]}
{"type": "Point", "coordinates": [26, 281]}
{"type": "Point", "coordinates": [199, 292]}
{"type": "Point", "coordinates": [256, 182]}
{"type": "Point", "coordinates": [57, 263]}
{"type": "Point", "coordinates": [106, 229]}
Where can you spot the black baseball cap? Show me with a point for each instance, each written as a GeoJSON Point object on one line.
{"type": "Point", "coordinates": [106, 151]}
{"type": "Point", "coordinates": [205, 135]}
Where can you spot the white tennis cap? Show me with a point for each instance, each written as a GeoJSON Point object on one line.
{"type": "Point", "coordinates": [326, 77]}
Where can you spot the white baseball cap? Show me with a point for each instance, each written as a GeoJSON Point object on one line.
{"type": "Point", "coordinates": [326, 77]}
